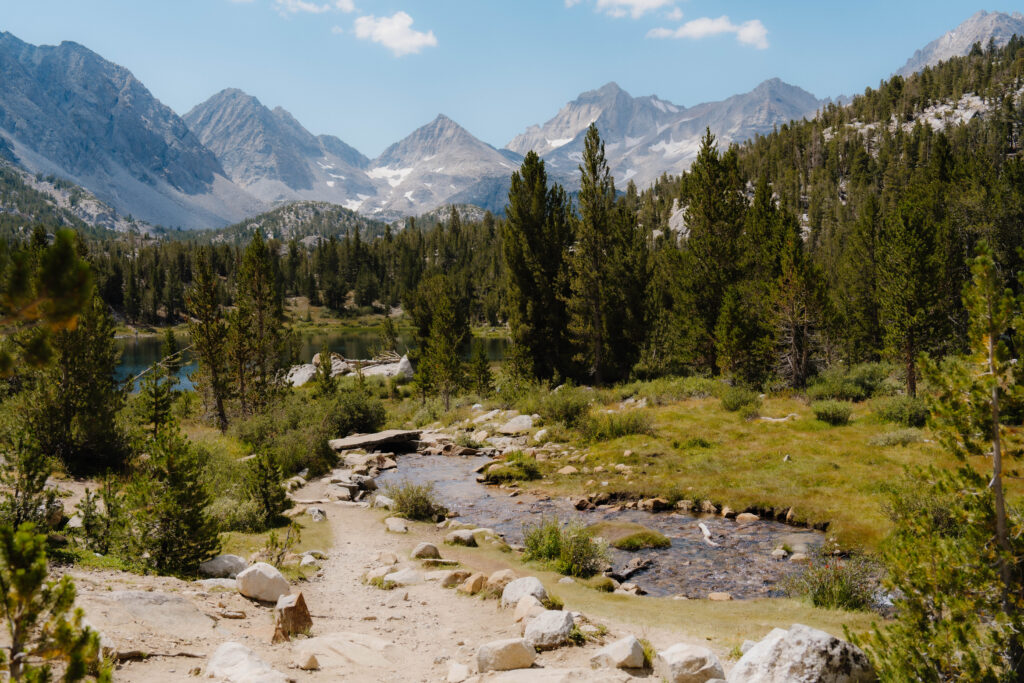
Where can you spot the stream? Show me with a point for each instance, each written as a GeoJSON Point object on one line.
{"type": "Point", "coordinates": [742, 566]}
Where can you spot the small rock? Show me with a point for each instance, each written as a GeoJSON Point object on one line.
{"type": "Point", "coordinates": [683, 663]}
{"type": "Point", "coordinates": [516, 590]}
{"type": "Point", "coordinates": [426, 551]}
{"type": "Point", "coordinates": [454, 578]}
{"type": "Point", "coordinates": [307, 662]}
{"type": "Point", "coordinates": [527, 608]}
{"type": "Point", "coordinates": [568, 469]}
{"type": "Point", "coordinates": [382, 501]}
{"type": "Point", "coordinates": [291, 615]}
{"type": "Point", "coordinates": [307, 561]}
{"type": "Point", "coordinates": [235, 663]}
{"type": "Point", "coordinates": [779, 554]}
{"type": "Point", "coordinates": [719, 597]}
{"type": "Point", "coordinates": [626, 653]}
{"type": "Point", "coordinates": [499, 579]}
{"type": "Point", "coordinates": [505, 655]}
{"type": "Point", "coordinates": [461, 537]}
{"type": "Point", "coordinates": [799, 558]}
{"type": "Point", "coordinates": [517, 425]}
{"type": "Point", "coordinates": [457, 672]}
{"type": "Point", "coordinates": [223, 567]}
{"type": "Point", "coordinates": [317, 514]}
{"type": "Point", "coordinates": [747, 518]}
{"type": "Point", "coordinates": [404, 577]}
{"type": "Point", "coordinates": [566, 580]}
{"type": "Point", "coordinates": [387, 557]}
{"type": "Point", "coordinates": [473, 585]}
{"type": "Point", "coordinates": [540, 436]}
{"type": "Point", "coordinates": [396, 525]}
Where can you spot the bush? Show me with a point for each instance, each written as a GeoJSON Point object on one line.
{"type": "Point", "coordinates": [415, 501]}
{"type": "Point", "coordinates": [571, 550]}
{"type": "Point", "coordinates": [836, 583]}
{"type": "Point", "coordinates": [630, 536]}
{"type": "Point", "coordinates": [835, 413]}
{"type": "Point", "coordinates": [517, 466]}
{"type": "Point", "coordinates": [850, 384]}
{"type": "Point", "coordinates": [737, 398]}
{"type": "Point", "coordinates": [608, 426]}
{"type": "Point", "coordinates": [603, 584]}
{"type": "Point", "coordinates": [569, 405]}
{"type": "Point", "coordinates": [900, 437]}
{"type": "Point", "coordinates": [905, 410]}
{"type": "Point", "coordinates": [263, 487]}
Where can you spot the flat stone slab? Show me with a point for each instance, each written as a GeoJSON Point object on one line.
{"type": "Point", "coordinates": [149, 621]}
{"type": "Point", "coordinates": [387, 437]}
{"type": "Point", "coordinates": [348, 652]}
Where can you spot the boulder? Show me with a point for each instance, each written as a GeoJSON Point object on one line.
{"type": "Point", "coordinates": [391, 437]}
{"type": "Point", "coordinates": [308, 561]}
{"type": "Point", "coordinates": [654, 504]}
{"type": "Point", "coordinates": [516, 590]}
{"type": "Point", "coordinates": [505, 655]}
{"type": "Point", "coordinates": [291, 616]}
{"type": "Point", "coordinates": [802, 655]}
{"type": "Point", "coordinates": [719, 597]}
{"type": "Point", "coordinates": [396, 525]}
{"type": "Point", "coordinates": [683, 663]}
{"type": "Point", "coordinates": [472, 585]}
{"type": "Point", "coordinates": [527, 608]}
{"type": "Point", "coordinates": [404, 577]}
{"type": "Point", "coordinates": [499, 579]}
{"type": "Point", "coordinates": [426, 551]}
{"type": "Point", "coordinates": [317, 514]}
{"type": "Point", "coordinates": [307, 662]}
{"type": "Point", "coordinates": [457, 672]}
{"type": "Point", "coordinates": [235, 663]}
{"type": "Point", "coordinates": [223, 567]}
{"type": "Point", "coordinates": [626, 653]}
{"type": "Point", "coordinates": [568, 469]}
{"type": "Point", "coordinates": [548, 630]}
{"type": "Point", "coordinates": [453, 578]}
{"type": "Point", "coordinates": [517, 425]}
{"type": "Point", "coordinates": [349, 656]}
{"type": "Point", "coordinates": [299, 375]}
{"type": "Point", "coordinates": [747, 518]}
{"type": "Point", "coordinates": [218, 584]}
{"type": "Point", "coordinates": [380, 501]}
{"type": "Point", "coordinates": [262, 582]}
{"type": "Point", "coordinates": [461, 537]}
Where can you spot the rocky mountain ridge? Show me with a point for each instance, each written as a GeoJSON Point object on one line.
{"type": "Point", "coordinates": [979, 28]}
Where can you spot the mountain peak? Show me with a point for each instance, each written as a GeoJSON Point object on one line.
{"type": "Point", "coordinates": [980, 27]}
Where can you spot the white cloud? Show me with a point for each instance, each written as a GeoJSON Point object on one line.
{"type": "Point", "coordinates": [337, 30]}
{"type": "Point", "coordinates": [750, 32]}
{"type": "Point", "coordinates": [395, 33]}
{"type": "Point", "coordinates": [622, 8]}
{"type": "Point", "coordinates": [345, 6]}
{"type": "Point", "coordinates": [287, 7]}
{"type": "Point", "coordinates": [674, 14]}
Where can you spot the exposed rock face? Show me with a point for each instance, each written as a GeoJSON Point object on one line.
{"type": "Point", "coordinates": [235, 663]}
{"type": "Point", "coordinates": [65, 110]}
{"type": "Point", "coordinates": [262, 582]}
{"type": "Point", "coordinates": [802, 655]}
{"type": "Point", "coordinates": [687, 664]}
{"type": "Point", "coordinates": [505, 655]}
{"type": "Point", "coordinates": [646, 136]}
{"type": "Point", "coordinates": [516, 590]}
{"type": "Point", "coordinates": [998, 26]}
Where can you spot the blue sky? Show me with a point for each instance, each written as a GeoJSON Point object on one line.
{"type": "Point", "coordinates": [371, 71]}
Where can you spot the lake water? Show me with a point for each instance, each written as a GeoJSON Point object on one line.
{"type": "Point", "coordinates": [139, 353]}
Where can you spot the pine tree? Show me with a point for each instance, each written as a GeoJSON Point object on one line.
{"type": "Point", "coordinates": [325, 384]}
{"type": "Point", "coordinates": [264, 487]}
{"type": "Point", "coordinates": [170, 526]}
{"type": "Point", "coordinates": [388, 335]}
{"type": "Point", "coordinates": [535, 244]}
{"type": "Point", "coordinates": [440, 367]}
{"type": "Point", "coordinates": [43, 627]}
{"type": "Point", "coordinates": [208, 333]}
{"type": "Point", "coordinates": [171, 357]}
{"type": "Point", "coordinates": [260, 317]}
{"type": "Point", "coordinates": [480, 375]}
{"type": "Point", "coordinates": [155, 399]}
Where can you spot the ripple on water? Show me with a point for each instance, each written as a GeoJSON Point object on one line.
{"type": "Point", "coordinates": [741, 566]}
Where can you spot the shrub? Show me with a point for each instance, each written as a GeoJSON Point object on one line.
{"type": "Point", "coordinates": [849, 384]}
{"type": "Point", "coordinates": [263, 487]}
{"type": "Point", "coordinates": [835, 413]}
{"type": "Point", "coordinates": [603, 584]}
{"type": "Point", "coordinates": [608, 426]}
{"type": "Point", "coordinates": [905, 410]}
{"type": "Point", "coordinates": [415, 501]}
{"type": "Point", "coordinates": [571, 550]}
{"type": "Point", "coordinates": [737, 398]}
{"type": "Point", "coordinates": [630, 536]}
{"type": "Point", "coordinates": [836, 583]}
{"type": "Point", "coordinates": [900, 437]}
{"type": "Point", "coordinates": [517, 466]}
{"type": "Point", "coordinates": [569, 405]}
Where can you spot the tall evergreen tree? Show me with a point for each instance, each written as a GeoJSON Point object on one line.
{"type": "Point", "coordinates": [440, 366]}
{"type": "Point", "coordinates": [208, 333]}
{"type": "Point", "coordinates": [535, 244]}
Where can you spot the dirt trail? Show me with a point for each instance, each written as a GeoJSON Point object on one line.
{"type": "Point", "coordinates": [413, 639]}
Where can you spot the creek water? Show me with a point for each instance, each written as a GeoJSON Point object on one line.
{"type": "Point", "coordinates": [141, 352]}
{"type": "Point", "coordinates": [741, 565]}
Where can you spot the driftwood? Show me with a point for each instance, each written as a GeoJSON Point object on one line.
{"type": "Point", "coordinates": [128, 655]}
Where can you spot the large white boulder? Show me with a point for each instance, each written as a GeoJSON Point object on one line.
{"type": "Point", "coordinates": [528, 585]}
{"type": "Point", "coordinates": [505, 655]}
{"type": "Point", "coordinates": [626, 653]}
{"type": "Point", "coordinates": [802, 655]}
{"type": "Point", "coordinates": [548, 630]}
{"type": "Point", "coordinates": [301, 374]}
{"type": "Point", "coordinates": [517, 425]}
{"type": "Point", "coordinates": [262, 582]}
{"type": "Point", "coordinates": [223, 567]}
{"type": "Point", "coordinates": [235, 663]}
{"type": "Point", "coordinates": [404, 577]}
{"type": "Point", "coordinates": [683, 663]}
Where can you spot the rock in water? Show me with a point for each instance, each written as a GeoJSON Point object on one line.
{"type": "Point", "coordinates": [505, 655]}
{"type": "Point", "coordinates": [292, 615]}
{"type": "Point", "coordinates": [528, 585]}
{"type": "Point", "coordinates": [683, 663]}
{"type": "Point", "coordinates": [626, 653]}
{"type": "Point", "coordinates": [548, 630]}
{"type": "Point", "coordinates": [235, 663]}
{"type": "Point", "coordinates": [802, 655]}
{"type": "Point", "coordinates": [262, 582]}
{"type": "Point", "coordinates": [223, 567]}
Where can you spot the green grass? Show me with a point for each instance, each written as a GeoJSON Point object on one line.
{"type": "Point", "coordinates": [630, 536]}
{"type": "Point", "coordinates": [517, 466]}
{"type": "Point", "coordinates": [315, 536]}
